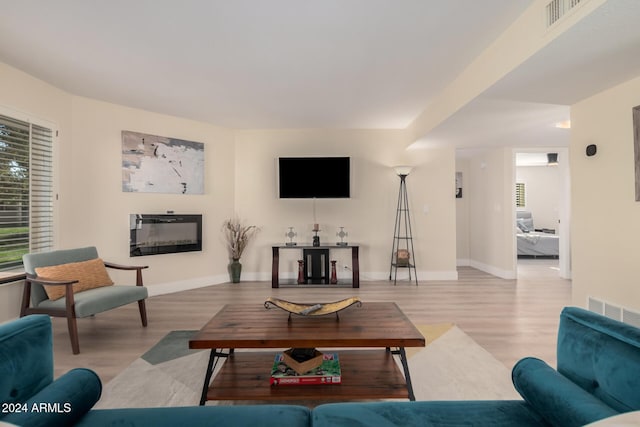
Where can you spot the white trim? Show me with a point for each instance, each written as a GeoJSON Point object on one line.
{"type": "Point", "coordinates": [28, 117]}
{"type": "Point", "coordinates": [202, 282]}
{"type": "Point", "coordinates": [185, 285]}
{"type": "Point", "coordinates": [463, 262]}
{"type": "Point", "coordinates": [498, 272]}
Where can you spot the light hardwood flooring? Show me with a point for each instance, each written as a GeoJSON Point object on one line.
{"type": "Point", "coordinates": [509, 318]}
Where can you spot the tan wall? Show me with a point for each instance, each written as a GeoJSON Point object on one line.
{"type": "Point", "coordinates": [28, 98]}
{"type": "Point", "coordinates": [368, 216]}
{"type": "Point", "coordinates": [605, 216]}
{"type": "Point", "coordinates": [91, 208]}
{"type": "Point", "coordinates": [462, 214]}
{"type": "Point", "coordinates": [99, 210]}
{"type": "Point", "coordinates": [491, 213]}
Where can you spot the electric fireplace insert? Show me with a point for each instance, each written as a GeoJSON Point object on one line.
{"type": "Point", "coordinates": [164, 234]}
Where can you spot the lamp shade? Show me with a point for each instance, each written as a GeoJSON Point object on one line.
{"type": "Point", "coordinates": [402, 170]}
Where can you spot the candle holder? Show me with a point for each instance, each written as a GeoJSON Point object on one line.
{"type": "Point", "coordinates": [291, 234]}
{"type": "Point", "coordinates": [334, 275]}
{"type": "Point", "coordinates": [342, 234]}
{"type": "Point", "coordinates": [316, 238]}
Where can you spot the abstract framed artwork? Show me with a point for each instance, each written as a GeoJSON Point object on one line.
{"type": "Point", "coordinates": [158, 164]}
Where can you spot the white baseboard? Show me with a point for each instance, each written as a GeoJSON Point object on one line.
{"type": "Point", "coordinates": [498, 272]}
{"type": "Point", "coordinates": [185, 285]}
{"type": "Point", "coordinates": [201, 282]}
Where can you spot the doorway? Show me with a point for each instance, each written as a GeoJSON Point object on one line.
{"type": "Point", "coordinates": [541, 212]}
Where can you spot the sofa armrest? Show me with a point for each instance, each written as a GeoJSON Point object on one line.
{"type": "Point", "coordinates": [557, 399]}
{"type": "Point", "coordinates": [61, 403]}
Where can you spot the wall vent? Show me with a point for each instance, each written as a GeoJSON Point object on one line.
{"type": "Point", "coordinates": [631, 317]}
{"type": "Point", "coordinates": [613, 311]}
{"type": "Point", "coordinates": [556, 9]}
{"type": "Point", "coordinates": [595, 305]}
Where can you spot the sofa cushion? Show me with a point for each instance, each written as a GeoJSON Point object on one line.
{"type": "Point", "coordinates": [561, 402]}
{"type": "Point", "coordinates": [201, 416]}
{"type": "Point", "coordinates": [493, 413]}
{"type": "Point", "coordinates": [61, 403]}
{"type": "Point", "coordinates": [90, 274]}
{"type": "Point", "coordinates": [97, 300]}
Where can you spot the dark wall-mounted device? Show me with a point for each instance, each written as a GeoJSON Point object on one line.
{"type": "Point", "coordinates": [164, 234]}
{"type": "Point", "coordinates": [591, 150]}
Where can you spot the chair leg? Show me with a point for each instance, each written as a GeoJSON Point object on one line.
{"type": "Point", "coordinates": [73, 334]}
{"type": "Point", "coordinates": [26, 297]}
{"type": "Point", "coordinates": [143, 312]}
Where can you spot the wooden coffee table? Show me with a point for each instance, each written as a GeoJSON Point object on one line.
{"type": "Point", "coordinates": [370, 335]}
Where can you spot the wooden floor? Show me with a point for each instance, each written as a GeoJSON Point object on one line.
{"type": "Point", "coordinates": [509, 318]}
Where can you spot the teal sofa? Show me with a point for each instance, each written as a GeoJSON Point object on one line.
{"type": "Point", "coordinates": [598, 376]}
{"type": "Point", "coordinates": [30, 396]}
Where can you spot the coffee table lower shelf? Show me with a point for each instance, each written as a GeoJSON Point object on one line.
{"type": "Point", "coordinates": [366, 374]}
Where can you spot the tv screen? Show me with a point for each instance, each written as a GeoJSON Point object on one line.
{"type": "Point", "coordinates": [314, 177]}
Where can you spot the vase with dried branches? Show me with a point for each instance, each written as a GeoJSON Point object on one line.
{"type": "Point", "coordinates": [237, 236]}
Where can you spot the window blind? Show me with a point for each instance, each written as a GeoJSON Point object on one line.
{"type": "Point", "coordinates": [41, 192]}
{"type": "Point", "coordinates": [26, 193]}
{"type": "Point", "coordinates": [520, 195]}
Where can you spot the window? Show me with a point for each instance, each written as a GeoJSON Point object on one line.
{"type": "Point", "coordinates": [520, 194]}
{"type": "Point", "coordinates": [26, 190]}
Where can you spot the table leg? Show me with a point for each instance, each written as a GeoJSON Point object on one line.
{"type": "Point", "coordinates": [275, 266]}
{"type": "Point", "coordinates": [355, 265]}
{"type": "Point", "coordinates": [405, 366]}
{"type": "Point", "coordinates": [214, 358]}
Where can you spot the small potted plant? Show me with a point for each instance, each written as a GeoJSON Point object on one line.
{"type": "Point", "coordinates": [237, 237]}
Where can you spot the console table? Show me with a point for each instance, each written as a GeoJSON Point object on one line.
{"type": "Point", "coordinates": [355, 263]}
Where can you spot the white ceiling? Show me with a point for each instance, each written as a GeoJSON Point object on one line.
{"type": "Point", "coordinates": [318, 64]}
{"type": "Point", "coordinates": [255, 63]}
{"type": "Point", "coordinates": [522, 109]}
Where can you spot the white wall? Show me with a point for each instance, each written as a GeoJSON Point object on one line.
{"type": "Point", "coordinates": [462, 214]}
{"type": "Point", "coordinates": [97, 210]}
{"type": "Point", "coordinates": [368, 216]}
{"type": "Point", "coordinates": [605, 216]}
{"type": "Point", "coordinates": [542, 194]}
{"type": "Point", "coordinates": [491, 219]}
{"type": "Point", "coordinates": [28, 98]}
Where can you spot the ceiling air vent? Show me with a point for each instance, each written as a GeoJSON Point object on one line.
{"type": "Point", "coordinates": [556, 9]}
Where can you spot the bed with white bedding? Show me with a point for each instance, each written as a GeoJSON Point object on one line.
{"type": "Point", "coordinates": [534, 243]}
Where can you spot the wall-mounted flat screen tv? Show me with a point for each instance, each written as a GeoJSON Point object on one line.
{"type": "Point", "coordinates": [314, 177]}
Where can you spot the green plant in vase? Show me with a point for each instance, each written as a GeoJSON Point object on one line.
{"type": "Point", "coordinates": [237, 237]}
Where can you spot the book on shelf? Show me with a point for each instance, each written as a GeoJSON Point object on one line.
{"type": "Point", "coordinates": [327, 373]}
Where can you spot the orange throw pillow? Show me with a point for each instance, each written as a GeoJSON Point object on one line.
{"type": "Point", "coordinates": [90, 275]}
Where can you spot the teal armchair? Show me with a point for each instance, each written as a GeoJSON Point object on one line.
{"type": "Point", "coordinates": [73, 304]}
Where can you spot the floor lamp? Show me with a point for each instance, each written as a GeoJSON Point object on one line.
{"type": "Point", "coordinates": [402, 249]}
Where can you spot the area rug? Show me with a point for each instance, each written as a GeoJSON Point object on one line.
{"type": "Point", "coordinates": [451, 367]}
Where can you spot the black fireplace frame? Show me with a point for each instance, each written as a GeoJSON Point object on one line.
{"type": "Point", "coordinates": [137, 248]}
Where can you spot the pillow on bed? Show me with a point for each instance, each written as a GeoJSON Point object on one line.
{"type": "Point", "coordinates": [522, 226]}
